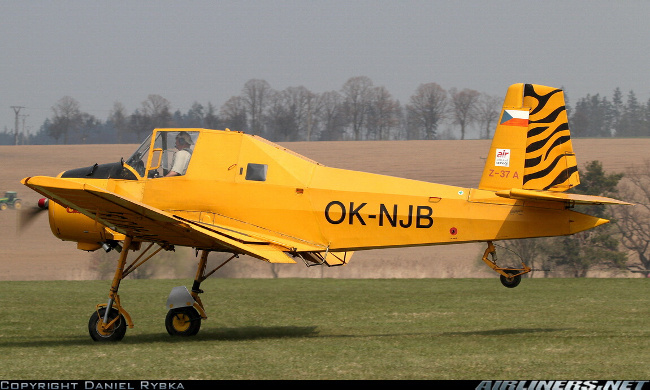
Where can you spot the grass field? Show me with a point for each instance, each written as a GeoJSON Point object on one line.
{"type": "Point", "coordinates": [336, 329]}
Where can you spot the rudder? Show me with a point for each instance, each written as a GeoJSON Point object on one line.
{"type": "Point", "coordinates": [531, 148]}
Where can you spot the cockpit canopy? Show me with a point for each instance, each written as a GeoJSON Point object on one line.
{"type": "Point", "coordinates": [166, 147]}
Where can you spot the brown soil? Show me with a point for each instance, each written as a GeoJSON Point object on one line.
{"type": "Point", "coordinates": [35, 254]}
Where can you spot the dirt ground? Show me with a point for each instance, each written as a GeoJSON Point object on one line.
{"type": "Point", "coordinates": [35, 254]}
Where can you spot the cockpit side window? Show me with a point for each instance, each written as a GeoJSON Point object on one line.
{"type": "Point", "coordinates": [172, 153]}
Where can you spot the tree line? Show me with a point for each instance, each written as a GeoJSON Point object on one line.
{"type": "Point", "coordinates": [359, 110]}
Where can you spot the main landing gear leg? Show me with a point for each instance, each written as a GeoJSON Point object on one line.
{"type": "Point", "coordinates": [510, 277]}
{"type": "Point", "coordinates": [109, 321]}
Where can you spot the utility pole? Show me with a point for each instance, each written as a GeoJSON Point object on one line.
{"type": "Point", "coordinates": [16, 111]}
{"type": "Point", "coordinates": [23, 135]}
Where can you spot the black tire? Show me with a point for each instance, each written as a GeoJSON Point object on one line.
{"type": "Point", "coordinates": [184, 321]}
{"type": "Point", "coordinates": [115, 333]}
{"type": "Point", "coordinates": [513, 281]}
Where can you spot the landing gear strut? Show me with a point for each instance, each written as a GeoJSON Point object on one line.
{"type": "Point", "coordinates": [109, 321]}
{"type": "Point", "coordinates": [510, 277]}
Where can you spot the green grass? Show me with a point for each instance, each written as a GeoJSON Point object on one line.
{"type": "Point", "coordinates": [336, 329]}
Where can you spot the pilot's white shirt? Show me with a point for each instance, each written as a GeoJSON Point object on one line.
{"type": "Point", "coordinates": [181, 161]}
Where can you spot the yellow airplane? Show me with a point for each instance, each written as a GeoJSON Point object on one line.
{"type": "Point", "coordinates": [227, 191]}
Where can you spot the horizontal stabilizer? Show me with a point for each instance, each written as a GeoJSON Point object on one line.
{"type": "Point", "coordinates": [518, 193]}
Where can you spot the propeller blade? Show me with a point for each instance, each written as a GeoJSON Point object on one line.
{"type": "Point", "coordinates": [27, 215]}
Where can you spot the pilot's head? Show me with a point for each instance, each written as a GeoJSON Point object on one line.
{"type": "Point", "coordinates": [183, 140]}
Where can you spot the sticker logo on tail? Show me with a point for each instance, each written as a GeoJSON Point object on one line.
{"type": "Point", "coordinates": [502, 158]}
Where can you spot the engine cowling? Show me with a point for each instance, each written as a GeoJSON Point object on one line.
{"type": "Point", "coordinates": [70, 225]}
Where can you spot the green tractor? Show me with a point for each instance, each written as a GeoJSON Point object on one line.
{"type": "Point", "coordinates": [10, 200]}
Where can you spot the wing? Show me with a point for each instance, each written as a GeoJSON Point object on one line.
{"type": "Point", "coordinates": [146, 223]}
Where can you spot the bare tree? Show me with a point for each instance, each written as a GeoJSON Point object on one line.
{"type": "Point", "coordinates": [464, 108]}
{"type": "Point", "coordinates": [282, 122]}
{"type": "Point", "coordinates": [383, 114]}
{"type": "Point", "coordinates": [488, 109]}
{"type": "Point", "coordinates": [634, 222]}
{"type": "Point", "coordinates": [67, 118]}
{"type": "Point", "coordinates": [211, 120]}
{"type": "Point", "coordinates": [301, 104]}
{"type": "Point", "coordinates": [311, 105]}
{"type": "Point", "coordinates": [331, 116]}
{"type": "Point", "coordinates": [140, 124]}
{"type": "Point", "coordinates": [529, 251]}
{"type": "Point", "coordinates": [118, 117]}
{"type": "Point", "coordinates": [233, 114]}
{"type": "Point", "coordinates": [158, 109]}
{"type": "Point", "coordinates": [196, 115]}
{"type": "Point", "coordinates": [426, 109]}
{"type": "Point", "coordinates": [255, 95]}
{"type": "Point", "coordinates": [357, 92]}
{"type": "Point", "coordinates": [87, 126]}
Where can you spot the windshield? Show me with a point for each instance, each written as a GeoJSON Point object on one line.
{"type": "Point", "coordinates": [138, 160]}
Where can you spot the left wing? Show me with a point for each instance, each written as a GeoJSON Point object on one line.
{"type": "Point", "coordinates": [146, 223]}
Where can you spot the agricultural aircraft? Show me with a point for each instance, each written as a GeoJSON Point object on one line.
{"type": "Point", "coordinates": [227, 191]}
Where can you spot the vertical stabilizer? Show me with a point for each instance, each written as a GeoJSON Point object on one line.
{"type": "Point", "coordinates": [531, 148]}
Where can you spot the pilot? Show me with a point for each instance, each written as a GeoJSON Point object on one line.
{"type": "Point", "coordinates": [182, 157]}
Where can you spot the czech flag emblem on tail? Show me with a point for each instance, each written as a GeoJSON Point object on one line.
{"type": "Point", "coordinates": [514, 118]}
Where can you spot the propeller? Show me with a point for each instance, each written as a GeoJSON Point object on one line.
{"type": "Point", "coordinates": [27, 215]}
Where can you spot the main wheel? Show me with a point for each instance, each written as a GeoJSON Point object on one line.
{"type": "Point", "coordinates": [511, 282]}
{"type": "Point", "coordinates": [17, 205]}
{"type": "Point", "coordinates": [115, 333]}
{"type": "Point", "coordinates": [184, 321]}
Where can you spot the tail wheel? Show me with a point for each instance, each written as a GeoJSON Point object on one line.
{"type": "Point", "coordinates": [512, 281]}
{"type": "Point", "coordinates": [184, 321]}
{"type": "Point", "coordinates": [115, 332]}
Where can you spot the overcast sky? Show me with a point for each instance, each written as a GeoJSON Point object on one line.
{"type": "Point", "coordinates": [205, 50]}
